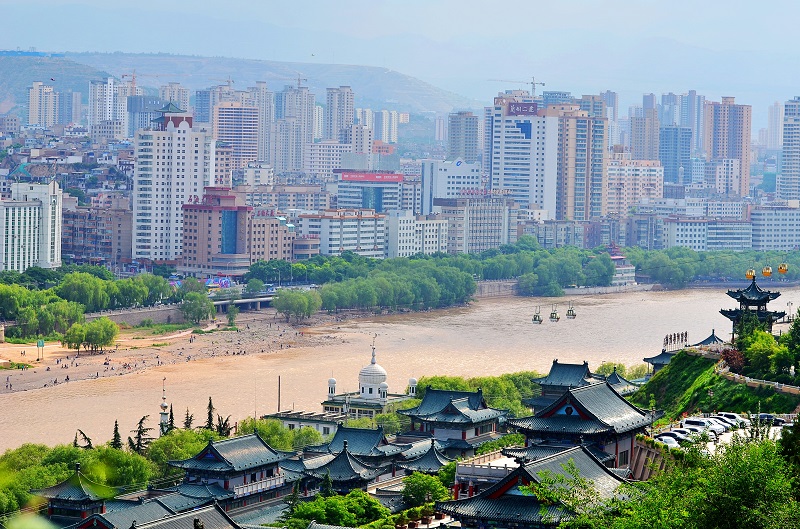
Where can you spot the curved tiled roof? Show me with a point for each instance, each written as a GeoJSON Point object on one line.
{"type": "Point", "coordinates": [430, 462]}
{"type": "Point", "coordinates": [462, 407]}
{"type": "Point", "coordinates": [504, 502]}
{"type": "Point", "coordinates": [568, 375]}
{"type": "Point", "coordinates": [753, 294]}
{"type": "Point", "coordinates": [342, 467]}
{"type": "Point", "coordinates": [606, 411]}
{"type": "Point", "coordinates": [361, 442]}
{"type": "Point", "coordinates": [232, 455]}
{"type": "Point", "coordinates": [77, 488]}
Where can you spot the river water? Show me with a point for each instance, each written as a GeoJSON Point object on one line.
{"type": "Point", "coordinates": [489, 337]}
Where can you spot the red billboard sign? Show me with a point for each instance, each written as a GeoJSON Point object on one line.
{"type": "Point", "coordinates": [371, 177]}
{"type": "Point", "coordinates": [521, 109]}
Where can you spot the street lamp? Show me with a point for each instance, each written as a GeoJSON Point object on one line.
{"type": "Point", "coordinates": [790, 316]}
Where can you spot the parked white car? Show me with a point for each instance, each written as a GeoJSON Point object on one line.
{"type": "Point", "coordinates": [741, 421]}
{"type": "Point", "coordinates": [702, 422]}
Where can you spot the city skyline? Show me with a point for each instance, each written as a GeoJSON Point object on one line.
{"type": "Point", "coordinates": [658, 51]}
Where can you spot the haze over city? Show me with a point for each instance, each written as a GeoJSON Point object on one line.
{"type": "Point", "coordinates": [731, 48]}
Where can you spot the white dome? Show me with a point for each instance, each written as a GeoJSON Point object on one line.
{"type": "Point", "coordinates": [412, 381]}
{"type": "Point", "coordinates": [373, 374]}
{"type": "Point", "coordinates": [331, 381]}
{"type": "Point", "coordinates": [383, 385]}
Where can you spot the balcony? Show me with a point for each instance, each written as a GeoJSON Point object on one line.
{"type": "Point", "coordinates": [258, 486]}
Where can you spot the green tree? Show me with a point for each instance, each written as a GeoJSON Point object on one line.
{"type": "Point", "coordinates": [210, 415]}
{"type": "Point", "coordinates": [419, 488]}
{"type": "Point", "coordinates": [75, 336]}
{"type": "Point", "coordinates": [188, 420]}
{"type": "Point", "coordinates": [116, 439]}
{"type": "Point", "coordinates": [100, 333]}
{"type": "Point", "coordinates": [158, 288]}
{"type": "Point", "coordinates": [190, 284]}
{"type": "Point", "coordinates": [141, 440]}
{"type": "Point", "coordinates": [86, 289]}
{"type": "Point", "coordinates": [447, 474]}
{"type": "Point", "coordinates": [197, 307]}
{"type": "Point", "coordinates": [233, 311]}
{"type": "Point", "coordinates": [326, 489]}
{"type": "Point", "coordinates": [254, 286]}
{"type": "Point", "coordinates": [176, 445]}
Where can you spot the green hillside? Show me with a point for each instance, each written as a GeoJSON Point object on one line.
{"type": "Point", "coordinates": [683, 386]}
{"type": "Point", "coordinates": [373, 86]}
{"type": "Point", "coordinates": [17, 74]}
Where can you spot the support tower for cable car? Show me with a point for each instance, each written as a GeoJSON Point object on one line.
{"type": "Point", "coordinates": [753, 299]}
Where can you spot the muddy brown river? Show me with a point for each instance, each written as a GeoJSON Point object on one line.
{"type": "Point", "coordinates": [490, 337]}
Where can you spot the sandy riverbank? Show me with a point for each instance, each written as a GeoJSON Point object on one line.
{"type": "Point", "coordinates": [259, 333]}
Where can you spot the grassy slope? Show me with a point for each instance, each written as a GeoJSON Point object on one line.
{"type": "Point", "coordinates": [684, 384]}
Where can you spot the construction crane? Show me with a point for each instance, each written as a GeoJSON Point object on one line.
{"type": "Point", "coordinates": [533, 82]}
{"type": "Point", "coordinates": [300, 79]}
{"type": "Point", "coordinates": [229, 81]}
{"type": "Point", "coordinates": [133, 75]}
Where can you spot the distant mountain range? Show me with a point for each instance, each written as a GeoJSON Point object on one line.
{"type": "Point", "coordinates": [374, 87]}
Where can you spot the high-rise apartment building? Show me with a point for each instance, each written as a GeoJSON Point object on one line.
{"type": "Point", "coordinates": [462, 136]}
{"type": "Point", "coordinates": [293, 128]}
{"type": "Point", "coordinates": [644, 135]}
{"type": "Point", "coordinates": [521, 149]}
{"type": "Point", "coordinates": [43, 103]}
{"type": "Point", "coordinates": [385, 123]}
{"type": "Point", "coordinates": [264, 100]}
{"type": "Point", "coordinates": [788, 182]}
{"type": "Point", "coordinates": [69, 108]}
{"type": "Point", "coordinates": [480, 223]}
{"type": "Point", "coordinates": [31, 224]}
{"type": "Point", "coordinates": [176, 94]}
{"type": "Point", "coordinates": [727, 135]}
{"type": "Point", "coordinates": [675, 153]}
{"type": "Point", "coordinates": [108, 102]}
{"type": "Point", "coordinates": [630, 181]}
{"type": "Point", "coordinates": [692, 116]}
{"type": "Point", "coordinates": [339, 114]}
{"type": "Point", "coordinates": [365, 116]}
{"type": "Point", "coordinates": [142, 110]}
{"type": "Point", "coordinates": [775, 126]}
{"type": "Point", "coordinates": [236, 124]}
{"type": "Point", "coordinates": [173, 164]}
{"type": "Point", "coordinates": [582, 178]}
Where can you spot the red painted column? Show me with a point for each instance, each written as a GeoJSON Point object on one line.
{"type": "Point", "coordinates": [470, 490]}
{"type": "Point", "coordinates": [456, 488]}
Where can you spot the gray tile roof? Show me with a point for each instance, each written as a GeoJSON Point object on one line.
{"type": "Point", "coordinates": [232, 455]}
{"type": "Point", "coordinates": [663, 358]}
{"type": "Point", "coordinates": [315, 525]}
{"type": "Point", "coordinates": [77, 488]}
{"type": "Point", "coordinates": [213, 517]}
{"type": "Point", "coordinates": [566, 375]}
{"type": "Point", "coordinates": [361, 442]}
{"type": "Point", "coordinates": [606, 409]}
{"type": "Point", "coordinates": [504, 502]}
{"type": "Point", "coordinates": [455, 407]}
{"type": "Point", "coordinates": [540, 451]}
{"type": "Point", "coordinates": [342, 467]}
{"type": "Point", "coordinates": [430, 462]}
{"type": "Point", "coordinates": [621, 385]}
{"type": "Point", "coordinates": [139, 512]}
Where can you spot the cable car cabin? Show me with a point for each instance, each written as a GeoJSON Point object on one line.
{"type": "Point", "coordinates": [750, 274]}
{"type": "Point", "coordinates": [571, 312]}
{"type": "Point", "coordinates": [537, 317]}
{"type": "Point", "coordinates": [766, 271]}
{"type": "Point", "coordinates": [783, 268]}
{"type": "Point", "coordinates": [554, 315]}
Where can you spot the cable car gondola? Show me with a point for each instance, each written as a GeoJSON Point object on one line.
{"type": "Point", "coordinates": [783, 268]}
{"type": "Point", "coordinates": [571, 312]}
{"type": "Point", "coordinates": [766, 271]}
{"type": "Point", "coordinates": [537, 318]}
{"type": "Point", "coordinates": [554, 314]}
{"type": "Point", "coordinates": [750, 274]}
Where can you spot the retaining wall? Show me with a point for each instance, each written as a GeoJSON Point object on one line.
{"type": "Point", "coordinates": [160, 314]}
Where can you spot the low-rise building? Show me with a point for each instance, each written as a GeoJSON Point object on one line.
{"type": "Point", "coordinates": [479, 223]}
{"type": "Point", "coordinates": [362, 231]}
{"type": "Point", "coordinates": [776, 228]}
{"type": "Point", "coordinates": [100, 233]}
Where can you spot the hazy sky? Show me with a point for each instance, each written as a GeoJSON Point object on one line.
{"type": "Point", "coordinates": [716, 47]}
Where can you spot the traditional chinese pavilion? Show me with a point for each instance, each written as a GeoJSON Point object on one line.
{"type": "Point", "coordinates": [504, 505]}
{"type": "Point", "coordinates": [346, 471]}
{"type": "Point", "coordinates": [594, 414]}
{"type": "Point", "coordinates": [77, 497]}
{"type": "Point", "coordinates": [428, 463]}
{"type": "Point", "coordinates": [460, 420]}
{"type": "Point", "coordinates": [753, 299]}
{"type": "Point", "coordinates": [240, 471]}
